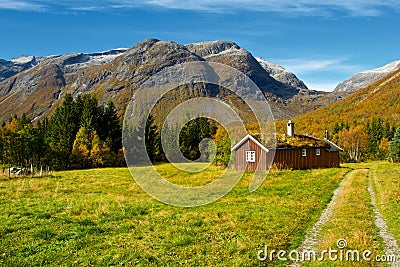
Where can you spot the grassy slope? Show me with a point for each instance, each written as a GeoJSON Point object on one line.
{"type": "Point", "coordinates": [380, 100]}
{"type": "Point", "coordinates": [101, 217]}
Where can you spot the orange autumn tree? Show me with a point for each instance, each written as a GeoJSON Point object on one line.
{"type": "Point", "coordinates": [354, 143]}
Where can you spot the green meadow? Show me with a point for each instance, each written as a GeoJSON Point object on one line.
{"type": "Point", "coordinates": [101, 217]}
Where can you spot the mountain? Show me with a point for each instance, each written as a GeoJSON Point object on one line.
{"type": "Point", "coordinates": [17, 65]}
{"type": "Point", "coordinates": [281, 74]}
{"type": "Point", "coordinates": [37, 84]}
{"type": "Point", "coordinates": [378, 100]}
{"type": "Point", "coordinates": [10, 68]}
{"type": "Point", "coordinates": [365, 78]}
{"type": "Point", "coordinates": [112, 75]}
{"type": "Point", "coordinates": [287, 99]}
{"type": "Point", "coordinates": [231, 54]}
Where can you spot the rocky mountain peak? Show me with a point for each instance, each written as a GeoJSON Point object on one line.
{"type": "Point", "coordinates": [205, 49]}
{"type": "Point", "coordinates": [279, 73]}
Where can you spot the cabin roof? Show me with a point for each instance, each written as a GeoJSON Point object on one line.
{"type": "Point", "coordinates": [289, 142]}
{"type": "Point", "coordinates": [247, 137]}
{"type": "Point", "coordinates": [300, 141]}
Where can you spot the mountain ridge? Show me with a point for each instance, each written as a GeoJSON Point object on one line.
{"type": "Point", "coordinates": [116, 74]}
{"type": "Point", "coordinates": [365, 78]}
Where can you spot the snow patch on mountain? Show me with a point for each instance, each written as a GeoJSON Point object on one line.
{"type": "Point", "coordinates": [23, 59]}
{"type": "Point", "coordinates": [391, 67]}
{"type": "Point", "coordinates": [363, 79]}
{"type": "Point", "coordinates": [279, 73]}
{"type": "Point", "coordinates": [73, 62]}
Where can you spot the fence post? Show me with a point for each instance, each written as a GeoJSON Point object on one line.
{"type": "Point", "coordinates": [41, 170]}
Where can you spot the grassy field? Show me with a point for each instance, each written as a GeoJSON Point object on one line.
{"type": "Point", "coordinates": [101, 217]}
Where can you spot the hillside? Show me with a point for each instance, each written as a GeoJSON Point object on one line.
{"type": "Point", "coordinates": [39, 84]}
{"type": "Point", "coordinates": [378, 100]}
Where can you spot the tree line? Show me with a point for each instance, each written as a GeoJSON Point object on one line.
{"type": "Point", "coordinates": [374, 140]}
{"type": "Point", "coordinates": [194, 140]}
{"type": "Point", "coordinates": [80, 134]}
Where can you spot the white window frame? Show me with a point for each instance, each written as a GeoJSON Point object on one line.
{"type": "Point", "coordinates": [250, 156]}
{"type": "Point", "coordinates": [304, 152]}
{"type": "Point", "coordinates": [318, 152]}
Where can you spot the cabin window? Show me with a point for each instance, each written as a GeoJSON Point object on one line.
{"type": "Point", "coordinates": [318, 152]}
{"type": "Point", "coordinates": [250, 156]}
{"type": "Point", "coordinates": [304, 152]}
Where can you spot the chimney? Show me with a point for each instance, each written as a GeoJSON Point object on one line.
{"type": "Point", "coordinates": [290, 128]}
{"type": "Point", "coordinates": [326, 134]}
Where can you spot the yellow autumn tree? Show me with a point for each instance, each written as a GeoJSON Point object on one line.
{"type": "Point", "coordinates": [384, 147]}
{"type": "Point", "coordinates": [354, 142]}
{"type": "Point", "coordinates": [81, 149]}
{"type": "Point", "coordinates": [100, 154]}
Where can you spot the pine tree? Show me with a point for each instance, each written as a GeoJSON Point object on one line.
{"type": "Point", "coordinates": [152, 140]}
{"type": "Point", "coordinates": [386, 130]}
{"type": "Point", "coordinates": [375, 135]}
{"type": "Point", "coordinates": [391, 133]}
{"type": "Point", "coordinates": [394, 147]}
{"type": "Point", "coordinates": [223, 151]}
{"type": "Point", "coordinates": [192, 134]}
{"type": "Point", "coordinates": [2, 162]}
{"type": "Point", "coordinates": [91, 113]}
{"type": "Point", "coordinates": [63, 127]}
{"type": "Point", "coordinates": [168, 143]}
{"type": "Point", "coordinates": [110, 129]}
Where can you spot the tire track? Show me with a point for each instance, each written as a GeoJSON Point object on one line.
{"type": "Point", "coordinates": [313, 236]}
{"type": "Point", "coordinates": [391, 246]}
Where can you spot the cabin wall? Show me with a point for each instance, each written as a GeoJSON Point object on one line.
{"type": "Point", "coordinates": [293, 159]}
{"type": "Point", "coordinates": [261, 157]}
{"type": "Point", "coordinates": [285, 158]}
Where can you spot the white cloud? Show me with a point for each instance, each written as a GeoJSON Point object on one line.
{"type": "Point", "coordinates": [322, 74]}
{"type": "Point", "coordinates": [291, 7]}
{"type": "Point", "coordinates": [21, 5]}
{"type": "Point", "coordinates": [304, 66]}
{"type": "Point", "coordinates": [86, 8]}
{"type": "Point", "coordinates": [303, 7]}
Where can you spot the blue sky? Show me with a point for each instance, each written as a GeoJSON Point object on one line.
{"type": "Point", "coordinates": [322, 42]}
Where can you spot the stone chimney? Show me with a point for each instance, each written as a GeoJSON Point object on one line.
{"type": "Point", "coordinates": [290, 128]}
